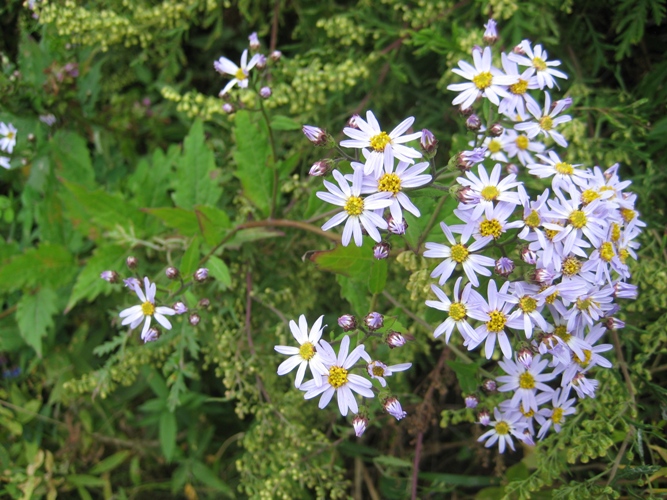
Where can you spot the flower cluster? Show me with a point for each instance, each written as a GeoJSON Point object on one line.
{"type": "Point", "coordinates": [332, 373]}
{"type": "Point", "coordinates": [560, 257]}
{"type": "Point", "coordinates": [7, 142]}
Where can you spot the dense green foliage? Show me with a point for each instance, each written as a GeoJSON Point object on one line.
{"type": "Point", "coordinates": [142, 161]}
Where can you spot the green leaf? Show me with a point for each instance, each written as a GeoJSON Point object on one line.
{"type": "Point", "coordinates": [206, 476]}
{"type": "Point", "coordinates": [70, 156]}
{"type": "Point", "coordinates": [81, 480]}
{"type": "Point", "coordinates": [190, 260]}
{"type": "Point", "coordinates": [168, 428]}
{"type": "Point", "coordinates": [89, 284]}
{"type": "Point", "coordinates": [378, 276]}
{"type": "Point", "coordinates": [219, 271]}
{"type": "Point", "coordinates": [110, 463]}
{"type": "Point", "coordinates": [280, 122]}
{"type": "Point", "coordinates": [213, 223]}
{"type": "Point", "coordinates": [34, 316]}
{"type": "Point", "coordinates": [253, 161]}
{"type": "Point", "coordinates": [196, 172]}
{"type": "Point", "coordinates": [355, 293]}
{"type": "Point", "coordinates": [352, 261]}
{"type": "Point", "coordinates": [389, 461]}
{"type": "Point", "coordinates": [178, 218]}
{"type": "Point", "coordinates": [50, 265]}
{"type": "Point", "coordinates": [466, 373]}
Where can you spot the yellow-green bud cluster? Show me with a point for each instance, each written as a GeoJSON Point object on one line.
{"type": "Point", "coordinates": [343, 30]}
{"type": "Point", "coordinates": [193, 104]}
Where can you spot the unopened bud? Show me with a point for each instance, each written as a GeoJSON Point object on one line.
{"type": "Point", "coordinates": [496, 130]}
{"type": "Point", "coordinates": [529, 256]}
{"type": "Point", "coordinates": [504, 267]}
{"type": "Point", "coordinates": [132, 262]}
{"type": "Point", "coordinates": [359, 423]}
{"type": "Point", "coordinates": [381, 250]}
{"type": "Point", "coordinates": [393, 407]}
{"type": "Point", "coordinates": [315, 135]}
{"type": "Point", "coordinates": [172, 273]}
{"type": "Point", "coordinates": [519, 50]}
{"type": "Point", "coordinates": [132, 283]}
{"type": "Point", "coordinates": [31, 137]}
{"type": "Point", "coordinates": [566, 103]}
{"type": "Point", "coordinates": [525, 357]}
{"type": "Point", "coordinates": [374, 321]}
{"type": "Point", "coordinates": [465, 111]}
{"type": "Point", "coordinates": [483, 417]}
{"type": "Point", "coordinates": [528, 438]}
{"type": "Point", "coordinates": [614, 323]}
{"type": "Point", "coordinates": [428, 141]}
{"type": "Point", "coordinates": [180, 308]}
{"type": "Point", "coordinates": [254, 41]}
{"type": "Point", "coordinates": [110, 276]}
{"type": "Point", "coordinates": [265, 92]}
{"type": "Point", "coordinates": [194, 319]}
{"type": "Point", "coordinates": [397, 227]}
{"type": "Point", "coordinates": [471, 401]}
{"type": "Point", "coordinates": [395, 339]}
{"type": "Point", "coordinates": [543, 276]}
{"type": "Point", "coordinates": [228, 108]}
{"type": "Point", "coordinates": [321, 168]}
{"type": "Point", "coordinates": [466, 195]}
{"type": "Point", "coordinates": [491, 32]}
{"type": "Point", "coordinates": [276, 55]}
{"type": "Point", "coordinates": [203, 303]}
{"type": "Point", "coordinates": [151, 335]}
{"type": "Point", "coordinates": [353, 122]}
{"type": "Point", "coordinates": [261, 62]}
{"type": "Point", "coordinates": [489, 385]}
{"type": "Point", "coordinates": [201, 274]}
{"type": "Point", "coordinates": [473, 123]}
{"type": "Point", "coordinates": [625, 291]}
{"type": "Point", "coordinates": [347, 322]}
{"type": "Point", "coordinates": [512, 169]}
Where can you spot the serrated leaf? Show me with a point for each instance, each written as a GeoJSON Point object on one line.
{"type": "Point", "coordinates": [71, 159]}
{"type": "Point", "coordinates": [50, 265]}
{"type": "Point", "coordinates": [89, 284]}
{"type": "Point", "coordinates": [280, 122]}
{"type": "Point", "coordinates": [167, 433]}
{"type": "Point", "coordinates": [254, 166]}
{"type": "Point", "coordinates": [34, 315]}
{"type": "Point", "coordinates": [196, 172]}
{"type": "Point", "coordinates": [219, 270]}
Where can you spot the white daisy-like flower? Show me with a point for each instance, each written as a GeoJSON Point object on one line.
{"type": "Point", "coordinates": [459, 253]}
{"type": "Point", "coordinates": [240, 73]}
{"type": "Point", "coordinates": [394, 182]}
{"type": "Point", "coordinates": [529, 306]}
{"type": "Point", "coordinates": [545, 122]}
{"type": "Point", "coordinates": [583, 386]}
{"type": "Point", "coordinates": [4, 162]}
{"type": "Point", "coordinates": [306, 354]}
{"type": "Point", "coordinates": [504, 426]}
{"type": "Point", "coordinates": [569, 337]}
{"type": "Point", "coordinates": [339, 380]}
{"type": "Point", "coordinates": [521, 146]}
{"type": "Point", "coordinates": [525, 381]}
{"type": "Point", "coordinates": [490, 190]}
{"type": "Point", "coordinates": [518, 86]}
{"type": "Point", "coordinates": [508, 407]}
{"type": "Point", "coordinates": [492, 224]}
{"type": "Point", "coordinates": [591, 357]}
{"type": "Point", "coordinates": [379, 144]}
{"type": "Point", "coordinates": [555, 416]}
{"type": "Point", "coordinates": [7, 137]}
{"type": "Point", "coordinates": [457, 310]}
{"type": "Point", "coordinates": [494, 146]}
{"type": "Point", "coordinates": [378, 370]}
{"type": "Point", "coordinates": [537, 58]}
{"type": "Point", "coordinates": [146, 310]}
{"type": "Point", "coordinates": [590, 307]}
{"type": "Point", "coordinates": [565, 174]}
{"type": "Point", "coordinates": [357, 211]}
{"type": "Point", "coordinates": [485, 80]}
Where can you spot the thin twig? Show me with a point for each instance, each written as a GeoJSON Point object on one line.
{"type": "Point", "coordinates": [624, 369]}
{"type": "Point", "coordinates": [619, 457]}
{"type": "Point", "coordinates": [8, 311]}
{"type": "Point", "coordinates": [415, 465]}
{"type": "Point", "coordinates": [274, 26]}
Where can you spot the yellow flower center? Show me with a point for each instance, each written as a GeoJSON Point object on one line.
{"type": "Point", "coordinates": [526, 381]}
{"type": "Point", "coordinates": [588, 354]}
{"type": "Point", "coordinates": [502, 428]}
{"type": "Point", "coordinates": [10, 135]}
{"type": "Point", "coordinates": [584, 304]}
{"type": "Point", "coordinates": [551, 233]}
{"type": "Point", "coordinates": [457, 311]}
{"type": "Point", "coordinates": [378, 371]}
{"type": "Point", "coordinates": [483, 80]}
{"type": "Point", "coordinates": [578, 219]}
{"type": "Point", "coordinates": [533, 219]}
{"type": "Point", "coordinates": [546, 123]}
{"type": "Point", "coordinates": [522, 142]}
{"type": "Point", "coordinates": [307, 351]}
{"type": "Point", "coordinates": [519, 87]}
{"type": "Point", "coordinates": [496, 322]}
{"type": "Point", "coordinates": [551, 298]}
{"type": "Point", "coordinates": [564, 168]}
{"type": "Point", "coordinates": [627, 214]}
{"type": "Point", "coordinates": [380, 141]}
{"type": "Point", "coordinates": [615, 232]}
{"type": "Point", "coordinates": [495, 146]}
{"type": "Point", "coordinates": [147, 308]}
{"type": "Point", "coordinates": [490, 228]}
{"type": "Point", "coordinates": [354, 205]}
{"type": "Point", "coordinates": [571, 266]}
{"type": "Point", "coordinates": [459, 253]}
{"type": "Point", "coordinates": [539, 64]}
{"type": "Point", "coordinates": [561, 332]}
{"type": "Point", "coordinates": [240, 74]}
{"type": "Point", "coordinates": [623, 254]}
{"type": "Point", "coordinates": [337, 376]}
{"type": "Point", "coordinates": [389, 183]}
{"type": "Point", "coordinates": [589, 195]}
{"type": "Point", "coordinates": [527, 304]}
{"type": "Point", "coordinates": [527, 414]}
{"type": "Point", "coordinates": [607, 251]}
{"type": "Point", "coordinates": [490, 193]}
{"type": "Point", "coordinates": [557, 416]}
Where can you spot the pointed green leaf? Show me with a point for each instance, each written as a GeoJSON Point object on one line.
{"type": "Point", "coordinates": [50, 265]}
{"type": "Point", "coordinates": [110, 463]}
{"type": "Point", "coordinates": [167, 432]}
{"type": "Point", "coordinates": [378, 276]}
{"type": "Point", "coordinates": [70, 156]}
{"type": "Point", "coordinates": [280, 122]}
{"type": "Point", "coordinates": [213, 223]}
{"type": "Point", "coordinates": [190, 260]}
{"type": "Point", "coordinates": [350, 261]}
{"type": "Point", "coordinates": [206, 476]}
{"type": "Point", "coordinates": [34, 316]}
{"type": "Point", "coordinates": [219, 270]}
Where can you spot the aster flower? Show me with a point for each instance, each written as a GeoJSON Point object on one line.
{"type": "Point", "coordinates": [537, 58]}
{"type": "Point", "coordinates": [513, 409]}
{"type": "Point", "coordinates": [590, 307]}
{"type": "Point", "coordinates": [457, 310]}
{"type": "Point", "coordinates": [520, 146]}
{"type": "Point", "coordinates": [338, 380]}
{"type": "Point", "coordinates": [359, 424]}
{"type": "Point", "coordinates": [529, 306]}
{"type": "Point", "coordinates": [459, 253]}
{"type": "Point", "coordinates": [525, 381]}
{"type": "Point", "coordinates": [565, 174]}
{"type": "Point", "coordinates": [306, 354]}
{"type": "Point", "coordinates": [357, 211]}
{"type": "Point", "coordinates": [504, 426]}
{"type": "Point", "coordinates": [545, 122]}
{"type": "Point", "coordinates": [379, 144]}
{"type": "Point", "coordinates": [490, 189]}
{"type": "Point", "coordinates": [7, 137]}
{"type": "Point", "coordinates": [240, 74]}
{"type": "Point", "coordinates": [492, 224]}
{"type": "Point", "coordinates": [484, 80]}
{"type": "Point", "coordinates": [134, 315]}
{"type": "Point", "coordinates": [518, 86]}
{"type": "Point", "coordinates": [378, 370]}
{"type": "Point", "coordinates": [583, 386]}
{"type": "Point", "coordinates": [555, 416]}
{"type": "Point", "coordinates": [394, 408]}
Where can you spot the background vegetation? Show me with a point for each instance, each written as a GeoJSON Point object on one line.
{"type": "Point", "coordinates": [142, 161]}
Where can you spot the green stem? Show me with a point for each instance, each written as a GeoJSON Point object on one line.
{"type": "Point", "coordinates": [274, 154]}
{"type": "Point", "coordinates": [431, 222]}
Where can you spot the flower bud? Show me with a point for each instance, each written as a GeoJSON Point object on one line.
{"type": "Point", "coordinates": [381, 250]}
{"type": "Point", "coordinates": [473, 123]}
{"type": "Point", "coordinates": [132, 283]}
{"type": "Point", "coordinates": [393, 407]}
{"type": "Point", "coordinates": [525, 357]}
{"type": "Point", "coordinates": [489, 385]}
{"type": "Point", "coordinates": [374, 321]}
{"type": "Point", "coordinates": [353, 122]}
{"type": "Point", "coordinates": [471, 401]}
{"type": "Point", "coordinates": [321, 168]}
{"type": "Point", "coordinates": [483, 417]}
{"type": "Point", "coordinates": [543, 276]}
{"type": "Point", "coordinates": [194, 319]}
{"type": "Point", "coordinates": [261, 62]}
{"type": "Point", "coordinates": [31, 137]}
{"type": "Point", "coordinates": [359, 423]}
{"type": "Point", "coordinates": [519, 50]}
{"type": "Point", "coordinates": [625, 290]}
{"type": "Point", "coordinates": [254, 41]}
{"type": "Point", "coordinates": [203, 303]}
{"type": "Point", "coordinates": [132, 262]}
{"type": "Point", "coordinates": [567, 103]}
{"type": "Point", "coordinates": [276, 55]}
{"type": "Point", "coordinates": [180, 308]}
{"type": "Point", "coordinates": [466, 195]}
{"type": "Point", "coordinates": [228, 108]}
{"type": "Point", "coordinates": [265, 92]}
{"type": "Point", "coordinates": [491, 32]}
{"type": "Point", "coordinates": [151, 335]}
{"type": "Point", "coordinates": [172, 273]}
{"type": "Point", "coordinates": [315, 135]}
{"type": "Point", "coordinates": [465, 111]}
{"type": "Point", "coordinates": [528, 438]}
{"type": "Point", "coordinates": [512, 169]}
{"type": "Point", "coordinates": [201, 274]}
{"type": "Point", "coordinates": [396, 227]}
{"type": "Point", "coordinates": [110, 276]}
{"type": "Point", "coordinates": [614, 323]}
{"type": "Point", "coordinates": [395, 339]}
{"type": "Point", "coordinates": [504, 267]}
{"type": "Point", "coordinates": [496, 130]}
{"type": "Point", "coordinates": [428, 141]}
{"type": "Point", "coordinates": [347, 322]}
{"type": "Point", "coordinates": [529, 256]}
